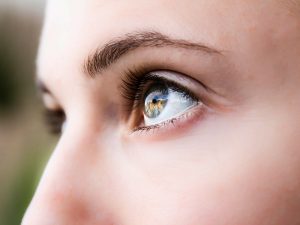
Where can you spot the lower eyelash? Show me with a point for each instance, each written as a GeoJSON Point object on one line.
{"type": "Point", "coordinates": [156, 126]}
{"type": "Point", "coordinates": [181, 122]}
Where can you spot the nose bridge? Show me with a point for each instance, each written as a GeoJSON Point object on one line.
{"type": "Point", "coordinates": [68, 193]}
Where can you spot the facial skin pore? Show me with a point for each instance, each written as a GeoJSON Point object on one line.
{"type": "Point", "coordinates": [239, 163]}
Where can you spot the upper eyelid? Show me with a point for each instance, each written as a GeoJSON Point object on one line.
{"type": "Point", "coordinates": [44, 90]}
{"type": "Point", "coordinates": [200, 91]}
{"type": "Point", "coordinates": [176, 85]}
{"type": "Point", "coordinates": [223, 102]}
{"type": "Point", "coordinates": [171, 84]}
{"type": "Point", "coordinates": [179, 80]}
{"type": "Point", "coordinates": [185, 77]}
{"type": "Point", "coordinates": [50, 102]}
{"type": "Point", "coordinates": [135, 82]}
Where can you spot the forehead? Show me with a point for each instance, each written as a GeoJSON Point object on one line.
{"type": "Point", "coordinates": [144, 12]}
{"type": "Point", "coordinates": [73, 29]}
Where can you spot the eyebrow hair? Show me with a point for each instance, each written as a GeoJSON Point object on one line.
{"type": "Point", "coordinates": [105, 56]}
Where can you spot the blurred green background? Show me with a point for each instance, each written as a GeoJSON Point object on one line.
{"type": "Point", "coordinates": [24, 142]}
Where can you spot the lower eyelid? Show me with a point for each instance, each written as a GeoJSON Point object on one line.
{"type": "Point", "coordinates": [172, 127]}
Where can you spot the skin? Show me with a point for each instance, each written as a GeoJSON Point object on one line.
{"type": "Point", "coordinates": [239, 165]}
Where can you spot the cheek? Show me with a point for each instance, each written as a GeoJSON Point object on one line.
{"type": "Point", "coordinates": [259, 178]}
{"type": "Point", "coordinates": [238, 170]}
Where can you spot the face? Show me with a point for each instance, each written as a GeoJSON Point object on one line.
{"type": "Point", "coordinates": [172, 113]}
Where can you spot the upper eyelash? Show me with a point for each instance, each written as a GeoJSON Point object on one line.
{"type": "Point", "coordinates": [134, 84]}
{"type": "Point", "coordinates": [54, 119]}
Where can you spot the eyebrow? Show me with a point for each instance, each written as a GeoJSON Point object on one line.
{"type": "Point", "coordinates": [105, 56]}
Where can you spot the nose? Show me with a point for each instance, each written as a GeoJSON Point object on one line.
{"type": "Point", "coordinates": [73, 189]}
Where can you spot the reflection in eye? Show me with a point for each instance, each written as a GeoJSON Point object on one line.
{"type": "Point", "coordinates": [155, 101]}
{"type": "Point", "coordinates": [163, 102]}
{"type": "Point", "coordinates": [158, 98]}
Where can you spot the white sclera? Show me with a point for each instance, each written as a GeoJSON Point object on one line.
{"type": "Point", "coordinates": [178, 103]}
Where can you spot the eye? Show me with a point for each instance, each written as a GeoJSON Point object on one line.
{"type": "Point", "coordinates": [160, 98]}
{"type": "Point", "coordinates": [53, 114]}
{"type": "Point", "coordinates": [163, 102]}
{"type": "Point", "coordinates": [55, 120]}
